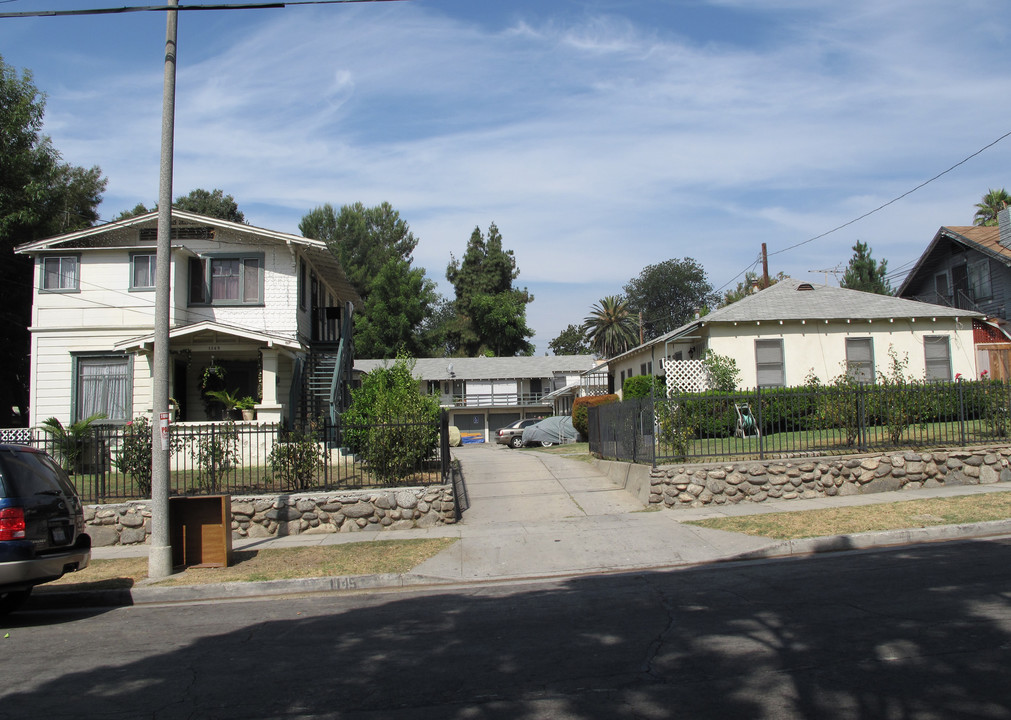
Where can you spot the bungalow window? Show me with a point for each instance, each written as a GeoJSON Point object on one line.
{"type": "Point", "coordinates": [61, 274]}
{"type": "Point", "coordinates": [103, 387]}
{"type": "Point", "coordinates": [979, 280]}
{"type": "Point", "coordinates": [937, 358]}
{"type": "Point", "coordinates": [770, 370]}
{"type": "Point", "coordinates": [226, 280]}
{"type": "Point", "coordinates": [642, 369]}
{"type": "Point", "coordinates": [142, 271]}
{"type": "Point", "coordinates": [860, 359]}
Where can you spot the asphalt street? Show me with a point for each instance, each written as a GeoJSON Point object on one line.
{"type": "Point", "coordinates": [915, 632]}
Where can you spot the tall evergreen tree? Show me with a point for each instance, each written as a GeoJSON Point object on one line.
{"type": "Point", "coordinates": [991, 204]}
{"type": "Point", "coordinates": [40, 196]}
{"type": "Point", "coordinates": [490, 312]}
{"type": "Point", "coordinates": [865, 273]}
{"type": "Point", "coordinates": [375, 247]}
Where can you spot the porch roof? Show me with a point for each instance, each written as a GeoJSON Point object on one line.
{"type": "Point", "coordinates": [146, 342]}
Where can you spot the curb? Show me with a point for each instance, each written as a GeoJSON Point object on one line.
{"type": "Point", "coordinates": [50, 598]}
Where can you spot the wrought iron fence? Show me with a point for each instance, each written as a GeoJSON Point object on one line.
{"type": "Point", "coordinates": [112, 463]}
{"type": "Point", "coordinates": [797, 422]}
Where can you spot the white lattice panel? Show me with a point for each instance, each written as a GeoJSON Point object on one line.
{"type": "Point", "coordinates": [686, 376]}
{"type": "Point", "coordinates": [15, 436]}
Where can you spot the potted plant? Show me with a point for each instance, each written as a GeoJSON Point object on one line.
{"type": "Point", "coordinates": [247, 405]}
{"type": "Point", "coordinates": [228, 398]}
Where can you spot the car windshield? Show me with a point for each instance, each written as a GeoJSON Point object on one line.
{"type": "Point", "coordinates": [23, 474]}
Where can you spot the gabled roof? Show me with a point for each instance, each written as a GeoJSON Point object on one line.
{"type": "Point", "coordinates": [983, 239]}
{"type": "Point", "coordinates": [101, 236]}
{"type": "Point", "coordinates": [489, 368]}
{"type": "Point", "coordinates": [791, 299]}
{"type": "Point", "coordinates": [139, 343]}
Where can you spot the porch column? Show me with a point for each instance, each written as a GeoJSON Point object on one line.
{"type": "Point", "coordinates": [269, 409]}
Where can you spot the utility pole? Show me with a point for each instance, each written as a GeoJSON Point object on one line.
{"type": "Point", "coordinates": [160, 554]}
{"type": "Point", "coordinates": [765, 267]}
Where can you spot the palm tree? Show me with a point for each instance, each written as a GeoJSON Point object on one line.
{"type": "Point", "coordinates": [993, 202]}
{"type": "Point", "coordinates": [610, 327]}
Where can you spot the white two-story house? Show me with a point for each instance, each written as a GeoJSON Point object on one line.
{"type": "Point", "coordinates": [253, 311]}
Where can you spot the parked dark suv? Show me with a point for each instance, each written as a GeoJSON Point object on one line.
{"type": "Point", "coordinates": [41, 524]}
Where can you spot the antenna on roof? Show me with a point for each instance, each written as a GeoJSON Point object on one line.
{"type": "Point", "coordinates": [837, 270]}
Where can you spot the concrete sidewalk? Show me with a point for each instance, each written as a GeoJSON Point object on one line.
{"type": "Point", "coordinates": [537, 515]}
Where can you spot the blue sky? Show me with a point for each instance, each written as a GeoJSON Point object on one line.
{"type": "Point", "coordinates": [600, 136]}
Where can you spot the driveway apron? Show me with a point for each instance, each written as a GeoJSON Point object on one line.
{"type": "Point", "coordinates": [534, 514]}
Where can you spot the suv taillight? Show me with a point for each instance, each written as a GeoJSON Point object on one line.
{"type": "Point", "coordinates": [12, 524]}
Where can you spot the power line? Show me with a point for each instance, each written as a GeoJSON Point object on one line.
{"type": "Point", "coordinates": [165, 8]}
{"type": "Point", "coordinates": [896, 199]}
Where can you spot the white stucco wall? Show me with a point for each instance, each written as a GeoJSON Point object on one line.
{"type": "Point", "coordinates": [820, 348]}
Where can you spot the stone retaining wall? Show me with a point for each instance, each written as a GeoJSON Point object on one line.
{"type": "Point", "coordinates": [270, 516]}
{"type": "Point", "coordinates": [754, 481]}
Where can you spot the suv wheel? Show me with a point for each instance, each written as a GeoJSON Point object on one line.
{"type": "Point", "coordinates": [516, 442]}
{"type": "Point", "coordinates": [12, 600]}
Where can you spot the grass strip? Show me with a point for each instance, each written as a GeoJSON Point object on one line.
{"type": "Point", "coordinates": [867, 518]}
{"type": "Point", "coordinates": [360, 558]}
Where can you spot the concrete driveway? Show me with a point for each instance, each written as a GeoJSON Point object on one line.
{"type": "Point", "coordinates": [534, 514]}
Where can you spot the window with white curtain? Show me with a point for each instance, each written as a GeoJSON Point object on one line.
{"type": "Point", "coordinates": [142, 271]}
{"type": "Point", "coordinates": [103, 387]}
{"type": "Point", "coordinates": [61, 274]}
{"type": "Point", "coordinates": [235, 280]}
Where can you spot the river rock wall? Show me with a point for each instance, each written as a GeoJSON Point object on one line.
{"type": "Point", "coordinates": [129, 523]}
{"type": "Point", "coordinates": [755, 481]}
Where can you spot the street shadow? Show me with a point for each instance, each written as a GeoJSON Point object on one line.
{"type": "Point", "coordinates": [921, 632]}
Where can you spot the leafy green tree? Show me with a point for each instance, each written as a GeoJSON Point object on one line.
{"type": "Point", "coordinates": [490, 312]}
{"type": "Point", "coordinates": [865, 273]}
{"type": "Point", "coordinates": [570, 341]}
{"type": "Point", "coordinates": [212, 203]}
{"type": "Point", "coordinates": [747, 285]}
{"type": "Point", "coordinates": [668, 295]}
{"type": "Point", "coordinates": [40, 196]}
{"type": "Point", "coordinates": [389, 424]}
{"type": "Point", "coordinates": [992, 203]}
{"type": "Point", "coordinates": [375, 247]}
{"type": "Point", "coordinates": [610, 327]}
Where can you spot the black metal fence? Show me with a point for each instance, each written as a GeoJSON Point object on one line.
{"type": "Point", "coordinates": [797, 422]}
{"type": "Point", "coordinates": [112, 463]}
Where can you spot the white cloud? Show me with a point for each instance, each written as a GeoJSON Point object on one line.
{"type": "Point", "coordinates": [598, 143]}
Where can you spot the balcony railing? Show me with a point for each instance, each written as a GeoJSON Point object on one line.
{"type": "Point", "coordinates": [505, 399]}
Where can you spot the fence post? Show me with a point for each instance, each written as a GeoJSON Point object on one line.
{"type": "Point", "coordinates": [444, 443]}
{"type": "Point", "coordinates": [961, 413]}
{"type": "Point", "coordinates": [758, 419]}
{"type": "Point", "coordinates": [862, 431]}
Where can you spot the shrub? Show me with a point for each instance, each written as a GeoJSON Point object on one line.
{"type": "Point", "coordinates": [297, 459]}
{"type": "Point", "coordinates": [723, 372]}
{"type": "Point", "coordinates": [642, 386]}
{"type": "Point", "coordinates": [581, 414]}
{"type": "Point", "coordinates": [134, 459]}
{"type": "Point", "coordinates": [216, 453]}
{"type": "Point", "coordinates": [389, 424]}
